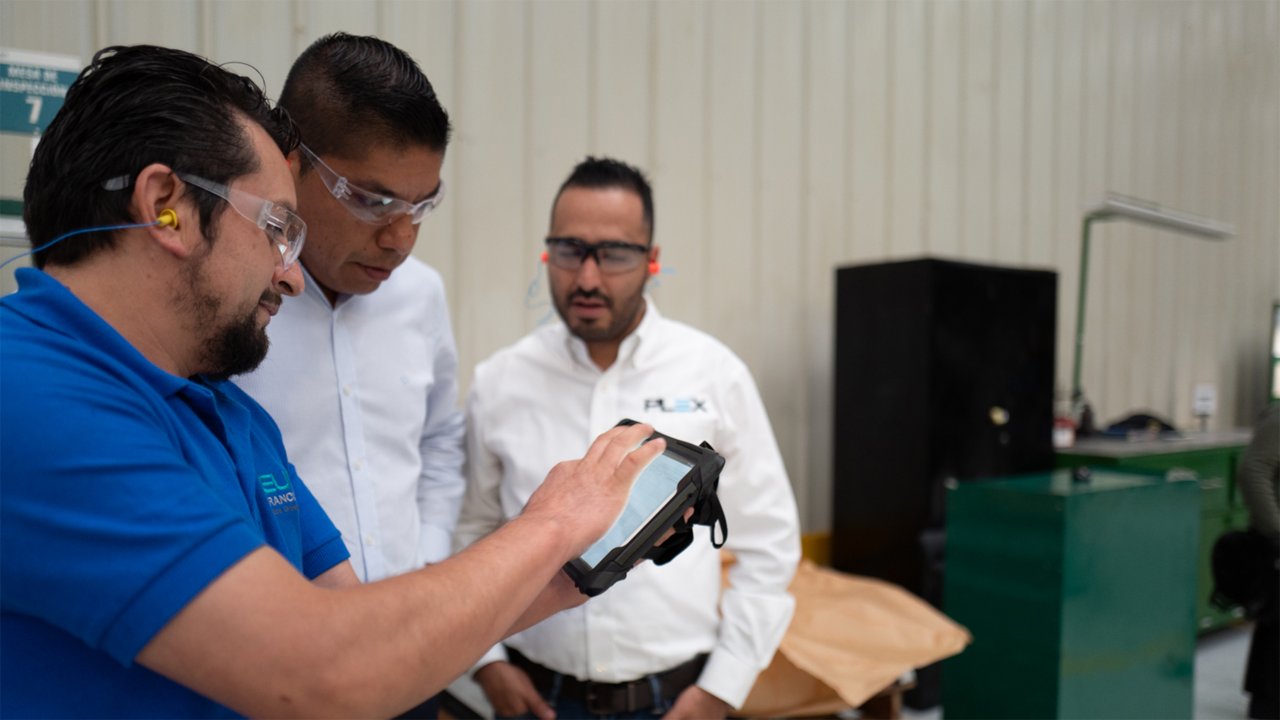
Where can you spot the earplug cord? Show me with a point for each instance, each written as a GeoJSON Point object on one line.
{"type": "Point", "coordinates": [81, 231]}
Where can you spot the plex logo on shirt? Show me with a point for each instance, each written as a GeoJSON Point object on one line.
{"type": "Point", "coordinates": [676, 405]}
{"type": "Point", "coordinates": [280, 494]}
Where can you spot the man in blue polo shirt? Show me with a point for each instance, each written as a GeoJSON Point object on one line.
{"type": "Point", "coordinates": [158, 554]}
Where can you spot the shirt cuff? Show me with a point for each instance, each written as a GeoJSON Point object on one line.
{"type": "Point", "coordinates": [497, 653]}
{"type": "Point", "coordinates": [728, 678]}
{"type": "Point", "coordinates": [434, 544]}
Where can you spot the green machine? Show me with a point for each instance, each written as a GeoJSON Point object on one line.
{"type": "Point", "coordinates": [1211, 457]}
{"type": "Point", "coordinates": [1079, 589]}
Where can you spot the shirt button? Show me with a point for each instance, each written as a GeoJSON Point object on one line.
{"type": "Point", "coordinates": [346, 390]}
{"type": "Point", "coordinates": [358, 465]}
{"type": "Point", "coordinates": [368, 540]}
{"type": "Point", "coordinates": [601, 668]}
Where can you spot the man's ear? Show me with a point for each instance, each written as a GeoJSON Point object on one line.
{"type": "Point", "coordinates": [295, 165]}
{"type": "Point", "coordinates": [156, 195]}
{"type": "Point", "coordinates": [655, 267]}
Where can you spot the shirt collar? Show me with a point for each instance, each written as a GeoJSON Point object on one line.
{"type": "Point", "coordinates": [48, 302]}
{"type": "Point", "coordinates": [312, 291]}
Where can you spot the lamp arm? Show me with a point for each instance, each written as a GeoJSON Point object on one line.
{"type": "Point", "coordinates": [1077, 393]}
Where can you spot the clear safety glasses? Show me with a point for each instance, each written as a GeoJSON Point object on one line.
{"type": "Point", "coordinates": [283, 227]}
{"type": "Point", "coordinates": [368, 206]}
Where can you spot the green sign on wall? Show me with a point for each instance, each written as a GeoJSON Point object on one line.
{"type": "Point", "coordinates": [33, 86]}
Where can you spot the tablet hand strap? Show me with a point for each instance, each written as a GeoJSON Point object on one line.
{"type": "Point", "coordinates": [667, 551]}
{"type": "Point", "coordinates": [707, 511]}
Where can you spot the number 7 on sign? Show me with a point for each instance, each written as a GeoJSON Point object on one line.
{"type": "Point", "coordinates": [36, 102]}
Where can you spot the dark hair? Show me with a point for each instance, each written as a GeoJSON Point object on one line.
{"type": "Point", "coordinates": [348, 92]}
{"type": "Point", "coordinates": [131, 107]}
{"type": "Point", "coordinates": [602, 173]}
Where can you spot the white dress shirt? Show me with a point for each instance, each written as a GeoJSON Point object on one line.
{"type": "Point", "coordinates": [542, 400]}
{"type": "Point", "coordinates": [365, 393]}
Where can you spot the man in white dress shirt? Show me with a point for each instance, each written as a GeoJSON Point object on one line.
{"type": "Point", "coordinates": [664, 641]}
{"type": "Point", "coordinates": [362, 373]}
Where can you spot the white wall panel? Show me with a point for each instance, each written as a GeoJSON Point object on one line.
{"type": "Point", "coordinates": [1009, 163]}
{"type": "Point", "coordinates": [259, 34]}
{"type": "Point", "coordinates": [621, 83]}
{"type": "Point", "coordinates": [171, 22]}
{"type": "Point", "coordinates": [867, 131]}
{"type": "Point", "coordinates": [787, 138]}
{"type": "Point", "coordinates": [977, 136]}
{"type": "Point", "coordinates": [732, 234]}
{"type": "Point", "coordinates": [907, 188]}
{"type": "Point", "coordinates": [490, 191]}
{"type": "Point", "coordinates": [826, 141]}
{"type": "Point", "coordinates": [559, 103]}
{"type": "Point", "coordinates": [778, 321]}
{"type": "Point", "coordinates": [679, 150]}
{"type": "Point", "coordinates": [427, 31]}
{"type": "Point", "coordinates": [68, 28]}
{"type": "Point", "coordinates": [944, 171]}
{"type": "Point", "coordinates": [1164, 178]}
{"type": "Point", "coordinates": [1041, 58]}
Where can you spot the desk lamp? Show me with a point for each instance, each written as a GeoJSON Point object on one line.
{"type": "Point", "coordinates": [1116, 207]}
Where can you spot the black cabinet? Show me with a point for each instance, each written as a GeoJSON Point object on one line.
{"type": "Point", "coordinates": [944, 371]}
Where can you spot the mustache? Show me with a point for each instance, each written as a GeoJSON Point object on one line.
{"type": "Point", "coordinates": [271, 297]}
{"type": "Point", "coordinates": [590, 295]}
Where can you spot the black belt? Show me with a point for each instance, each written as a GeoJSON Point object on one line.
{"type": "Point", "coordinates": [612, 698]}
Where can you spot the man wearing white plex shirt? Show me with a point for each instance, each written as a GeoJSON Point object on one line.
{"type": "Point", "coordinates": [664, 641]}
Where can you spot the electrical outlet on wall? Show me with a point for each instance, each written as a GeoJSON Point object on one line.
{"type": "Point", "coordinates": [1204, 403]}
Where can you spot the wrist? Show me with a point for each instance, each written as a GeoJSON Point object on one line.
{"type": "Point", "coordinates": [553, 537]}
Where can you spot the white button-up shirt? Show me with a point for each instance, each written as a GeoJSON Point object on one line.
{"type": "Point", "coordinates": [365, 393]}
{"type": "Point", "coordinates": [542, 400]}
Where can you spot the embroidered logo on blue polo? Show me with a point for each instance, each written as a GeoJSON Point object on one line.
{"type": "Point", "coordinates": [676, 405]}
{"type": "Point", "coordinates": [279, 492]}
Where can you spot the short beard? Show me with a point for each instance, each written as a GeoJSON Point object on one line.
{"type": "Point", "coordinates": [238, 346]}
{"type": "Point", "coordinates": [623, 318]}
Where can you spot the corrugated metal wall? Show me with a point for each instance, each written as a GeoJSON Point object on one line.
{"type": "Point", "coordinates": [787, 138]}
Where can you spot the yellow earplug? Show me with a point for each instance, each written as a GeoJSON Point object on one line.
{"type": "Point", "coordinates": [167, 217]}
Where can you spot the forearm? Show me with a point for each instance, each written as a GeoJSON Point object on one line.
{"type": "Point", "coordinates": [263, 641]}
{"type": "Point", "coordinates": [435, 624]}
{"type": "Point", "coordinates": [559, 594]}
{"type": "Point", "coordinates": [371, 650]}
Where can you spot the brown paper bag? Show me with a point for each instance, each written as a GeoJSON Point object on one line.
{"type": "Point", "coordinates": [851, 637]}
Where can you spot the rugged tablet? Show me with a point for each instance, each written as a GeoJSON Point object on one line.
{"type": "Point", "coordinates": [684, 476]}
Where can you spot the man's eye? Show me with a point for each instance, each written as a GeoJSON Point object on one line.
{"type": "Point", "coordinates": [371, 201]}
{"type": "Point", "coordinates": [275, 232]}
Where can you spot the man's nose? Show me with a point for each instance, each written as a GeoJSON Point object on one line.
{"type": "Point", "coordinates": [589, 273]}
{"type": "Point", "coordinates": [288, 282]}
{"type": "Point", "coordinates": [399, 236]}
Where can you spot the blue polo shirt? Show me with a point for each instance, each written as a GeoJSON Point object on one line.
{"type": "Point", "coordinates": [124, 491]}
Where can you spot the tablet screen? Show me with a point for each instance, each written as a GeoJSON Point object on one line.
{"type": "Point", "coordinates": [656, 484]}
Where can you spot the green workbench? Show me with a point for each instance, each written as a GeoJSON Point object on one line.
{"type": "Point", "coordinates": [1212, 458]}
{"type": "Point", "coordinates": [1080, 596]}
